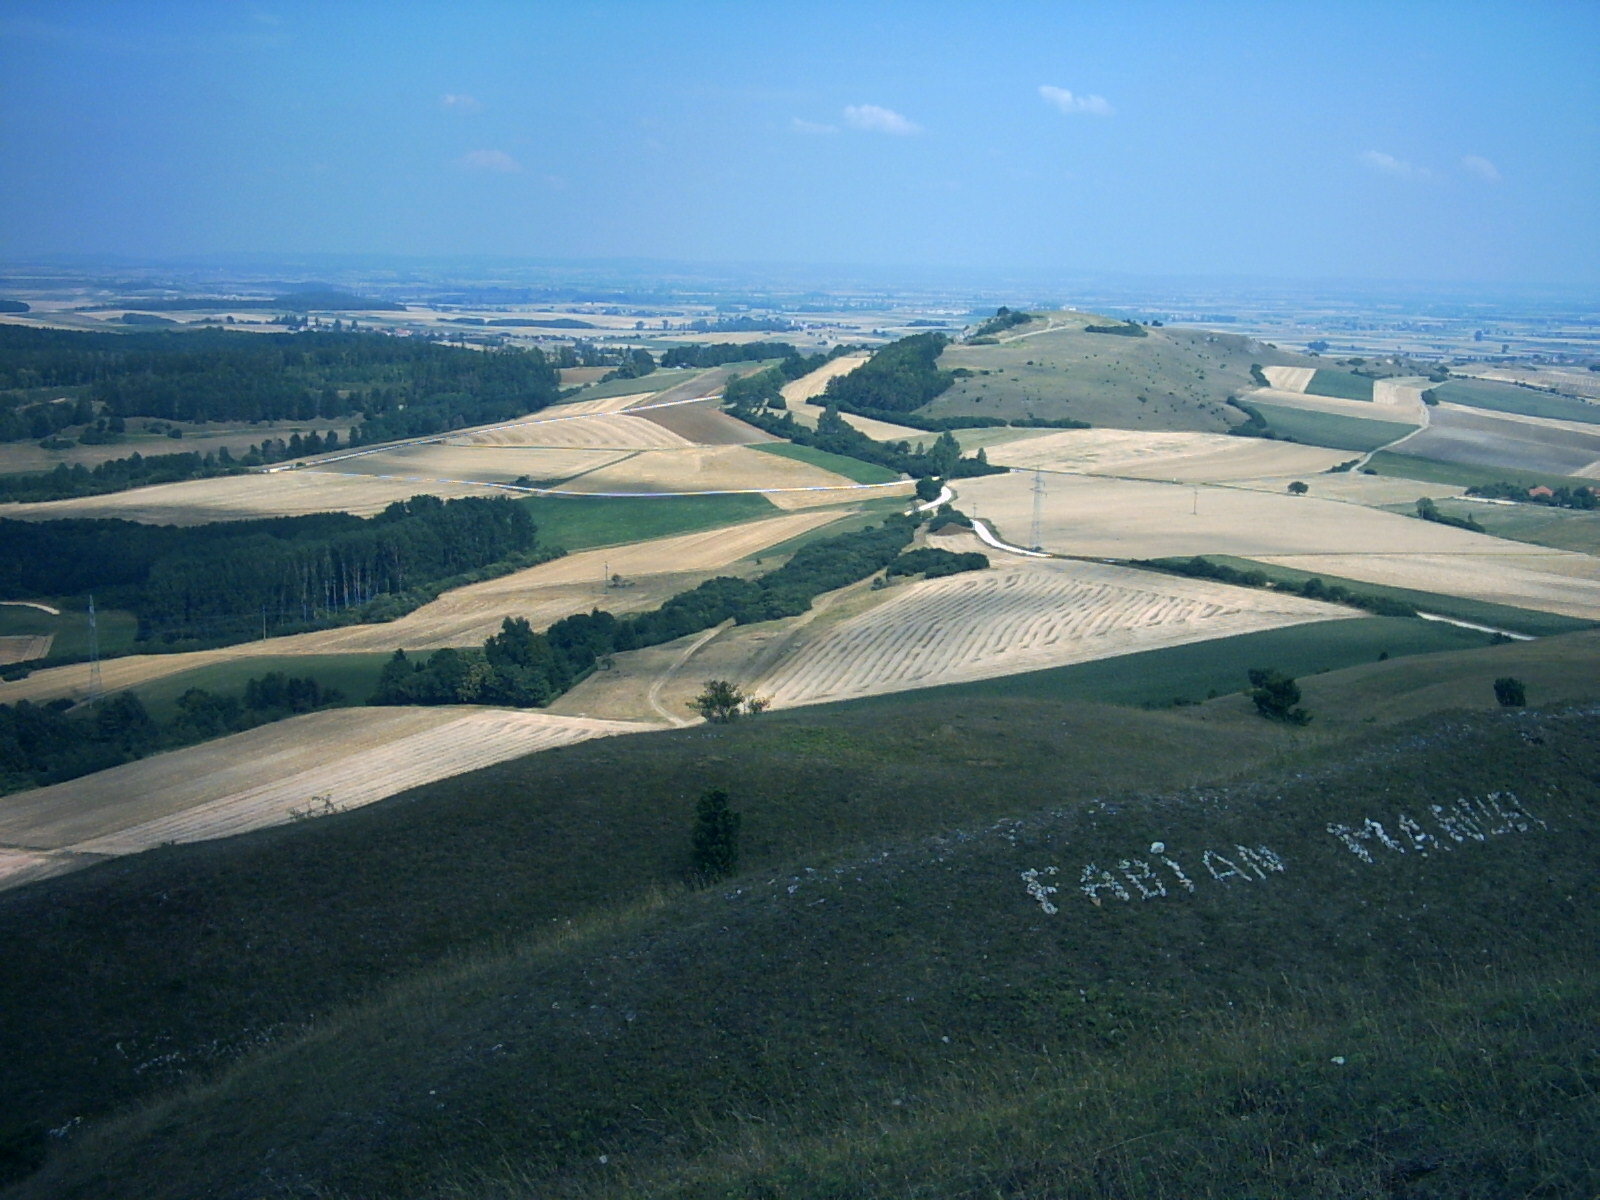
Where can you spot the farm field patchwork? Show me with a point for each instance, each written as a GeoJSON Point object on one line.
{"type": "Point", "coordinates": [705, 424]}
{"type": "Point", "coordinates": [1401, 465]}
{"type": "Point", "coordinates": [430, 464]}
{"type": "Point", "coordinates": [1335, 430]}
{"type": "Point", "coordinates": [587, 431]}
{"type": "Point", "coordinates": [1558, 528]}
{"type": "Point", "coordinates": [1343, 384]}
{"type": "Point", "coordinates": [1509, 397]}
{"type": "Point", "coordinates": [263, 776]}
{"type": "Point", "coordinates": [652, 572]}
{"type": "Point", "coordinates": [718, 468]}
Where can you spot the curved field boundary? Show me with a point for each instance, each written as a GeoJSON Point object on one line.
{"type": "Point", "coordinates": [263, 777]}
{"type": "Point", "coordinates": [1018, 618]}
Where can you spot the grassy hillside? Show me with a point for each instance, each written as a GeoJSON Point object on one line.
{"type": "Point", "coordinates": [496, 986]}
{"type": "Point", "coordinates": [1232, 991]}
{"type": "Point", "coordinates": [1184, 376]}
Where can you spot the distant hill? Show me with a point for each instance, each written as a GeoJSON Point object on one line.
{"type": "Point", "coordinates": [1063, 365]}
{"type": "Point", "coordinates": [298, 301]}
{"type": "Point", "coordinates": [970, 952]}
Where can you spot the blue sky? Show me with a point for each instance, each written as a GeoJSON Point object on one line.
{"type": "Point", "coordinates": [1453, 142]}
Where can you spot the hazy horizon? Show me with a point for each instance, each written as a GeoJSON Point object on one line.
{"type": "Point", "coordinates": [1449, 145]}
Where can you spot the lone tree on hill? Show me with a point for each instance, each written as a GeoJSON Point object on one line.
{"type": "Point", "coordinates": [723, 701]}
{"type": "Point", "coordinates": [1276, 695]}
{"type": "Point", "coordinates": [1510, 692]}
{"type": "Point", "coordinates": [715, 842]}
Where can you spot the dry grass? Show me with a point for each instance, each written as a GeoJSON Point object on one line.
{"type": "Point", "coordinates": [710, 469]}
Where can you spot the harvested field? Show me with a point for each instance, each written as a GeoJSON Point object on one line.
{"type": "Point", "coordinates": [479, 463]}
{"type": "Point", "coordinates": [1361, 409]}
{"type": "Point", "coordinates": [1460, 434]}
{"type": "Point", "coordinates": [653, 571]}
{"type": "Point", "coordinates": [814, 384]}
{"type": "Point", "coordinates": [1014, 618]}
{"type": "Point", "coordinates": [1289, 379]}
{"type": "Point", "coordinates": [1185, 457]}
{"type": "Point", "coordinates": [705, 425]}
{"type": "Point", "coordinates": [584, 431]}
{"type": "Point", "coordinates": [1528, 577]}
{"type": "Point", "coordinates": [1574, 381]}
{"type": "Point", "coordinates": [710, 469]}
{"type": "Point", "coordinates": [24, 648]}
{"type": "Point", "coordinates": [1403, 392]}
{"type": "Point", "coordinates": [1116, 518]}
{"type": "Point", "coordinates": [240, 497]}
{"type": "Point", "coordinates": [258, 778]}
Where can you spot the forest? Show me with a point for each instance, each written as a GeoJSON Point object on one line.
{"type": "Point", "coordinates": [394, 387]}
{"type": "Point", "coordinates": [231, 581]}
{"type": "Point", "coordinates": [522, 668]}
{"type": "Point", "coordinates": [900, 377]}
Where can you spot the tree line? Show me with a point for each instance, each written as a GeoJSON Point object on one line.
{"type": "Point", "coordinates": [1311, 589]}
{"type": "Point", "coordinates": [942, 460]}
{"type": "Point", "coordinates": [230, 581]}
{"type": "Point", "coordinates": [522, 668]}
{"type": "Point", "coordinates": [900, 377]}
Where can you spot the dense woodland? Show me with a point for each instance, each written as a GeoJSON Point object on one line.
{"type": "Point", "coordinates": [522, 668]}
{"type": "Point", "coordinates": [229, 581]}
{"type": "Point", "coordinates": [392, 387]}
{"type": "Point", "coordinates": [899, 378]}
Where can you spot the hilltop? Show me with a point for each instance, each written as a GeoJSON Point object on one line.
{"type": "Point", "coordinates": [1052, 367]}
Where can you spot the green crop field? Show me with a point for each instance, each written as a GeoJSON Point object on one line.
{"type": "Point", "coordinates": [1344, 385]}
{"type": "Point", "coordinates": [1430, 470]}
{"type": "Point", "coordinates": [579, 522]}
{"type": "Point", "coordinates": [71, 629]}
{"type": "Point", "coordinates": [355, 675]}
{"type": "Point", "coordinates": [1172, 379]}
{"type": "Point", "coordinates": [1538, 524]}
{"type": "Point", "coordinates": [1479, 612]}
{"type": "Point", "coordinates": [839, 464]}
{"type": "Point", "coordinates": [1329, 429]}
{"type": "Point", "coordinates": [1508, 397]}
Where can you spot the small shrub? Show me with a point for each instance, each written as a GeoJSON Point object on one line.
{"type": "Point", "coordinates": [1510, 692]}
{"type": "Point", "coordinates": [715, 842]}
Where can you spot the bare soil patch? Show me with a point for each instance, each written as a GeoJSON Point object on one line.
{"type": "Point", "coordinates": [706, 425]}
{"type": "Point", "coordinates": [1465, 435]}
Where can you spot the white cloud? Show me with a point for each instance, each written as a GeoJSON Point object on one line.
{"type": "Point", "coordinates": [1067, 102]}
{"type": "Point", "coordinates": [1390, 165]}
{"type": "Point", "coordinates": [496, 162]}
{"type": "Point", "coordinates": [453, 102]}
{"type": "Point", "coordinates": [801, 125]}
{"type": "Point", "coordinates": [1477, 165]}
{"type": "Point", "coordinates": [879, 120]}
